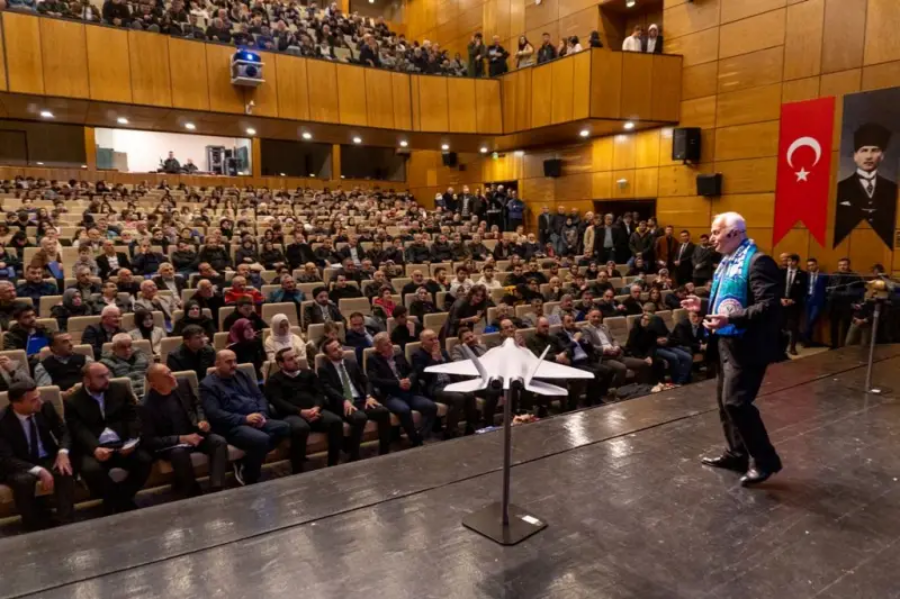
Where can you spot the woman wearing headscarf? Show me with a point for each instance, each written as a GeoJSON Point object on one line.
{"type": "Point", "coordinates": [145, 328]}
{"type": "Point", "coordinates": [72, 305]}
{"type": "Point", "coordinates": [282, 338]}
{"type": "Point", "coordinates": [246, 345]}
{"type": "Point", "coordinates": [193, 314]}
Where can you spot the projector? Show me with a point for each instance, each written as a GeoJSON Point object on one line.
{"type": "Point", "coordinates": [246, 69]}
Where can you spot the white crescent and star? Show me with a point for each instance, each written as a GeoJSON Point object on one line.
{"type": "Point", "coordinates": [811, 142]}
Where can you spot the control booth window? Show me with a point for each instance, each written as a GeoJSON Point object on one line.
{"type": "Point", "coordinates": [295, 159]}
{"type": "Point", "coordinates": [377, 164]}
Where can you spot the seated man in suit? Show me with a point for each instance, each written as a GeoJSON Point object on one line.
{"type": "Point", "coordinates": [62, 367]}
{"type": "Point", "coordinates": [406, 329]}
{"type": "Point", "coordinates": [358, 336]}
{"type": "Point", "coordinates": [110, 261]}
{"type": "Point", "coordinates": [298, 399]}
{"type": "Point", "coordinates": [347, 389]}
{"type": "Point", "coordinates": [632, 303]}
{"type": "Point", "coordinates": [470, 345]}
{"type": "Point", "coordinates": [34, 446]}
{"type": "Point", "coordinates": [613, 355]}
{"type": "Point", "coordinates": [151, 300]}
{"type": "Point", "coordinates": [194, 353]}
{"type": "Point", "coordinates": [580, 354]}
{"type": "Point", "coordinates": [394, 385]}
{"type": "Point", "coordinates": [109, 326]}
{"type": "Point", "coordinates": [174, 427]}
{"type": "Point", "coordinates": [126, 282]}
{"type": "Point", "coordinates": [324, 310]}
{"type": "Point", "coordinates": [432, 385]}
{"type": "Point", "coordinates": [691, 335]}
{"type": "Point", "coordinates": [238, 411]}
{"type": "Point", "coordinates": [206, 296]}
{"type": "Point", "coordinates": [105, 429]}
{"type": "Point", "coordinates": [167, 280]}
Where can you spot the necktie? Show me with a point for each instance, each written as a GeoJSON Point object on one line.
{"type": "Point", "coordinates": [345, 383]}
{"type": "Point", "coordinates": [681, 251]}
{"type": "Point", "coordinates": [790, 280]}
{"type": "Point", "coordinates": [33, 441]}
{"type": "Point", "coordinates": [870, 187]}
{"type": "Point", "coordinates": [812, 283]}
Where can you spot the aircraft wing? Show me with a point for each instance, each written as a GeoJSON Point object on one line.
{"type": "Point", "coordinates": [461, 368]}
{"type": "Point", "coordinates": [542, 388]}
{"type": "Point", "coordinates": [551, 370]}
{"type": "Point", "coordinates": [469, 386]}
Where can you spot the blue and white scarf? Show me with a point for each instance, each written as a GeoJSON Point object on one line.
{"type": "Point", "coordinates": [729, 288]}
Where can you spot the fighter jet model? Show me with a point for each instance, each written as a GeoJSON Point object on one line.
{"type": "Point", "coordinates": [507, 363]}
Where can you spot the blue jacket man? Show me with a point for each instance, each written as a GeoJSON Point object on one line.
{"type": "Point", "coordinates": [815, 298]}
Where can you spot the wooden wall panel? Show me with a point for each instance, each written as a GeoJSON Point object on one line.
{"type": "Point", "coordinates": [3, 81]}
{"type": "Point", "coordinates": [108, 64]}
{"type": "Point", "coordinates": [24, 60]}
{"type": "Point", "coordinates": [186, 59]}
{"type": "Point", "coordinates": [379, 98]}
{"type": "Point", "coordinates": [699, 113]}
{"type": "Point", "coordinates": [401, 96]}
{"type": "Point", "coordinates": [64, 53]}
{"type": "Point", "coordinates": [223, 97]}
{"type": "Point", "coordinates": [149, 57]}
{"type": "Point", "coordinates": [800, 90]}
{"type": "Point", "coordinates": [462, 115]}
{"type": "Point", "coordinates": [351, 82]}
{"type": "Point", "coordinates": [749, 35]}
{"type": "Point", "coordinates": [803, 47]}
{"type": "Point", "coordinates": [697, 48]}
{"type": "Point", "coordinates": [881, 76]}
{"type": "Point", "coordinates": [751, 70]}
{"type": "Point", "coordinates": [606, 84]}
{"type": "Point", "coordinates": [699, 81]}
{"type": "Point", "coordinates": [748, 176]}
{"type": "Point", "coordinates": [415, 106]}
{"type": "Point", "coordinates": [624, 152]}
{"type": "Point", "coordinates": [488, 112]}
{"type": "Point", "coordinates": [434, 103]}
{"type": "Point", "coordinates": [844, 31]}
{"type": "Point", "coordinates": [293, 90]}
{"type": "Point", "coordinates": [581, 91]}
{"type": "Point", "coordinates": [749, 106]}
{"type": "Point", "coordinates": [735, 10]}
{"type": "Point", "coordinates": [685, 19]}
{"type": "Point", "coordinates": [666, 84]}
{"type": "Point", "coordinates": [747, 141]}
{"type": "Point", "coordinates": [563, 90]}
{"type": "Point", "coordinates": [542, 95]}
{"type": "Point", "coordinates": [321, 77]}
{"type": "Point", "coordinates": [882, 24]}
{"type": "Point", "coordinates": [637, 85]}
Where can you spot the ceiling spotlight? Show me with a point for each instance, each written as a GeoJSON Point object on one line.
{"type": "Point", "coordinates": [630, 3]}
{"type": "Point", "coordinates": [445, 147]}
{"type": "Point", "coordinates": [306, 135]}
{"type": "Point", "coordinates": [483, 150]}
{"type": "Point", "coordinates": [282, 174]}
{"type": "Point", "coordinates": [251, 131]}
{"type": "Point", "coordinates": [190, 126]}
{"type": "Point", "coordinates": [46, 114]}
{"type": "Point", "coordinates": [39, 163]}
{"type": "Point", "coordinates": [343, 176]}
{"type": "Point", "coordinates": [312, 174]}
{"type": "Point", "coordinates": [403, 143]}
{"type": "Point", "coordinates": [629, 125]}
{"type": "Point", "coordinates": [584, 132]}
{"type": "Point", "coordinates": [357, 140]}
{"type": "Point", "coordinates": [519, 153]}
{"type": "Point", "coordinates": [122, 120]}
{"type": "Point", "coordinates": [83, 166]}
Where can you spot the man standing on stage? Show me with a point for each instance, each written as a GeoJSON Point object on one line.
{"type": "Point", "coordinates": [745, 313]}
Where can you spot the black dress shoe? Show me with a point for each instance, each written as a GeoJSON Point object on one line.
{"type": "Point", "coordinates": [759, 474]}
{"type": "Point", "coordinates": [726, 461]}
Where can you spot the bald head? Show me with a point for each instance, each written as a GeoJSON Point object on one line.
{"type": "Point", "coordinates": [226, 363]}
{"type": "Point", "coordinates": [729, 230]}
{"type": "Point", "coordinates": [161, 379]}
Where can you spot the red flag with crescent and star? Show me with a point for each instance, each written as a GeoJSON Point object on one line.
{"type": "Point", "coordinates": [804, 167]}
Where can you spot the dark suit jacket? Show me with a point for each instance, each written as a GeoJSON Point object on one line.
{"type": "Point", "coordinates": [313, 314]}
{"type": "Point", "coordinates": [545, 227]}
{"type": "Point", "coordinates": [538, 343]}
{"type": "Point", "coordinates": [334, 390]}
{"type": "Point", "coordinates": [797, 292]}
{"type": "Point", "coordinates": [818, 295]}
{"type": "Point", "coordinates": [852, 205]}
{"type": "Point", "coordinates": [180, 284]}
{"type": "Point", "coordinates": [158, 432]}
{"type": "Point", "coordinates": [657, 49]}
{"type": "Point", "coordinates": [569, 345]}
{"type": "Point", "coordinates": [86, 422]}
{"type": "Point", "coordinates": [14, 454]}
{"type": "Point", "coordinates": [103, 264]}
{"type": "Point", "coordinates": [683, 336]}
{"type": "Point", "coordinates": [384, 382]}
{"type": "Point", "coordinates": [422, 360]}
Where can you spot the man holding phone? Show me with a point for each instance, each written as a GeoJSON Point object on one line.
{"type": "Point", "coordinates": [745, 315]}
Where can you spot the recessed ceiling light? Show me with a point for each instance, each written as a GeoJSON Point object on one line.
{"type": "Point", "coordinates": [251, 131]}
{"type": "Point", "coordinates": [282, 174]}
{"type": "Point", "coordinates": [306, 135]}
{"type": "Point", "coordinates": [312, 174]}
{"type": "Point", "coordinates": [122, 120]}
{"type": "Point", "coordinates": [46, 114]}
{"type": "Point", "coordinates": [39, 163]}
{"type": "Point", "coordinates": [445, 147]}
{"type": "Point", "coordinates": [629, 125]}
{"type": "Point", "coordinates": [584, 132]}
{"type": "Point", "coordinates": [483, 150]}
{"type": "Point", "coordinates": [403, 143]}
{"type": "Point", "coordinates": [343, 177]}
{"type": "Point", "coordinates": [190, 126]}
{"type": "Point", "coordinates": [630, 3]}
{"type": "Point", "coordinates": [357, 140]}
{"type": "Point", "coordinates": [83, 166]}
{"type": "Point", "coordinates": [519, 153]}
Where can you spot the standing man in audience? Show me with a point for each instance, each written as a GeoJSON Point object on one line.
{"type": "Point", "coordinates": [238, 411]}
{"type": "Point", "coordinates": [62, 367]}
{"type": "Point", "coordinates": [703, 259]}
{"type": "Point", "coordinates": [794, 292]}
{"type": "Point", "coordinates": [109, 326]}
{"type": "Point", "coordinates": [683, 262]}
{"type": "Point", "coordinates": [845, 288]}
{"type": "Point", "coordinates": [174, 427]}
{"type": "Point", "coordinates": [395, 386]}
{"type": "Point", "coordinates": [432, 385]}
{"type": "Point", "coordinates": [34, 447]}
{"type": "Point", "coordinates": [106, 431]}
{"type": "Point", "coordinates": [193, 354]}
{"type": "Point", "coordinates": [634, 42]}
{"type": "Point", "coordinates": [546, 52]}
{"type": "Point", "coordinates": [298, 398]}
{"type": "Point", "coordinates": [814, 300]}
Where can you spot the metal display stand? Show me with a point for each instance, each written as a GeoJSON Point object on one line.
{"type": "Point", "coordinates": [501, 521]}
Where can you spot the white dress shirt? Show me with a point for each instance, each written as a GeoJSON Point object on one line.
{"type": "Point", "coordinates": [631, 44]}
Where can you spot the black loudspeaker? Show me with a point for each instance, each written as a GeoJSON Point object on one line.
{"type": "Point", "coordinates": [686, 144]}
{"type": "Point", "coordinates": [449, 158]}
{"type": "Point", "coordinates": [709, 185]}
{"type": "Point", "coordinates": [553, 168]}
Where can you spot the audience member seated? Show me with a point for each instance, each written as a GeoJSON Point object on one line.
{"type": "Point", "coordinates": [246, 344]}
{"type": "Point", "coordinates": [126, 283]}
{"type": "Point", "coordinates": [323, 310]}
{"type": "Point", "coordinates": [184, 259]}
{"type": "Point", "coordinates": [395, 386]}
{"type": "Point", "coordinates": [109, 296]}
{"type": "Point", "coordinates": [406, 329]}
{"type": "Point", "coordinates": [167, 280]}
{"type": "Point", "coordinates": [605, 343]}
{"type": "Point", "coordinates": [193, 315]}
{"type": "Point", "coordinates": [34, 286]}
{"type": "Point", "coordinates": [580, 354]}
{"type": "Point", "coordinates": [643, 344]}
{"type": "Point", "coordinates": [358, 336]}
{"type": "Point", "coordinates": [282, 337]}
{"type": "Point", "coordinates": [8, 303]}
{"type": "Point", "coordinates": [432, 385]}
{"type": "Point", "coordinates": [124, 360]}
{"type": "Point", "coordinates": [679, 360]}
{"type": "Point", "coordinates": [175, 426]}
{"type": "Point", "coordinates": [239, 289]}
{"type": "Point", "coordinates": [193, 354]}
{"type": "Point", "coordinates": [244, 309]}
{"type": "Point", "coordinates": [34, 447]}
{"type": "Point", "coordinates": [633, 304]}
{"type": "Point", "coordinates": [342, 290]}
{"type": "Point", "coordinates": [690, 334]}
{"type": "Point", "coordinates": [110, 261]}
{"type": "Point", "coordinates": [207, 297]}
{"type": "Point", "coordinates": [105, 428]}
{"type": "Point", "coordinates": [83, 282]}
{"type": "Point", "coordinates": [72, 305]}
{"type": "Point", "coordinates": [214, 256]}
{"type": "Point", "coordinates": [26, 334]}
{"type": "Point", "coordinates": [348, 392]}
{"type": "Point", "coordinates": [62, 367]}
{"type": "Point", "coordinates": [288, 293]}
{"type": "Point", "coordinates": [146, 261]}
{"type": "Point", "coordinates": [310, 274]}
{"type": "Point", "coordinates": [238, 411]}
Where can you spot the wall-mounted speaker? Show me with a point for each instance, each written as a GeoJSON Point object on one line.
{"type": "Point", "coordinates": [553, 168]}
{"type": "Point", "coordinates": [449, 159]}
{"type": "Point", "coordinates": [686, 144]}
{"type": "Point", "coordinates": [709, 186]}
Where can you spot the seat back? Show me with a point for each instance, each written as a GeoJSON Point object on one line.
{"type": "Point", "coordinates": [270, 310]}
{"type": "Point", "coordinates": [168, 344]}
{"type": "Point", "coordinates": [49, 394]}
{"type": "Point", "coordinates": [435, 321]}
{"type": "Point", "coordinates": [355, 304]}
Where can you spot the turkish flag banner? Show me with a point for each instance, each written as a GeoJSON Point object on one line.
{"type": "Point", "coordinates": [804, 167]}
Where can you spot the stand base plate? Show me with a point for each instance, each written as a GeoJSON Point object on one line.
{"type": "Point", "coordinates": [488, 521]}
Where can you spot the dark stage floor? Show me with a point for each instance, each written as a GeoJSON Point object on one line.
{"type": "Point", "coordinates": [632, 514]}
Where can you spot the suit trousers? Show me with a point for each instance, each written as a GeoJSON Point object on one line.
{"type": "Point", "coordinates": [402, 404]}
{"type": "Point", "coordinates": [357, 421]}
{"type": "Point", "coordinates": [792, 323]}
{"type": "Point", "coordinates": [256, 443]}
{"type": "Point", "coordinates": [330, 424]}
{"type": "Point", "coordinates": [117, 497]}
{"type": "Point", "coordinates": [841, 318]}
{"type": "Point", "coordinates": [622, 364]}
{"type": "Point", "coordinates": [813, 312]}
{"type": "Point", "coordinates": [458, 404]}
{"type": "Point", "coordinates": [185, 481]}
{"type": "Point", "coordinates": [35, 515]}
{"type": "Point", "coordinates": [738, 385]}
